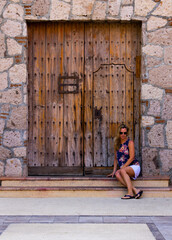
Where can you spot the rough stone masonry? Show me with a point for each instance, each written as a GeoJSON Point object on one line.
{"type": "Point", "coordinates": [156, 86]}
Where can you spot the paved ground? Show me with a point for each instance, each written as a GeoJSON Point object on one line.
{"type": "Point", "coordinates": [85, 218]}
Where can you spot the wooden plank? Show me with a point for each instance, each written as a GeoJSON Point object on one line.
{"type": "Point", "coordinates": [54, 95]}
{"type": "Point", "coordinates": [122, 85]}
{"type": "Point", "coordinates": [42, 98]}
{"type": "Point", "coordinates": [59, 30]}
{"type": "Point", "coordinates": [78, 67]}
{"type": "Point", "coordinates": [74, 60]}
{"type": "Point", "coordinates": [137, 87]}
{"type": "Point", "coordinates": [30, 95]}
{"type": "Point", "coordinates": [36, 74]}
{"type": "Point", "coordinates": [129, 82]}
{"type": "Point", "coordinates": [55, 171]}
{"type": "Point", "coordinates": [68, 100]}
{"type": "Point", "coordinates": [98, 171]}
{"type": "Point", "coordinates": [88, 97]}
{"type": "Point", "coordinates": [114, 56]}
{"type": "Point", "coordinates": [101, 93]}
{"type": "Point", "coordinates": [49, 93]}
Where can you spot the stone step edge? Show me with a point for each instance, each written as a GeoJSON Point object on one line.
{"type": "Point", "coordinates": [148, 178]}
{"type": "Point", "coordinates": [80, 188]}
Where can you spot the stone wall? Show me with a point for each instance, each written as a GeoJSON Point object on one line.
{"type": "Point", "coordinates": [156, 90]}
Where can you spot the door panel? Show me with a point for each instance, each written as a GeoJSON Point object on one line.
{"type": "Point", "coordinates": [55, 129]}
{"type": "Point", "coordinates": [81, 87]}
{"type": "Point", "coordinates": [110, 50]}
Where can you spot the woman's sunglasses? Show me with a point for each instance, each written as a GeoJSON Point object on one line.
{"type": "Point", "coordinates": [125, 133]}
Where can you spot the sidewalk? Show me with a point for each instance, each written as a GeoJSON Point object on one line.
{"type": "Point", "coordinates": [85, 218]}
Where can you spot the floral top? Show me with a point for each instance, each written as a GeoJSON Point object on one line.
{"type": "Point", "coordinates": [123, 154]}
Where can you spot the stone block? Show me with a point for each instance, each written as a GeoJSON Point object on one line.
{"type": "Point", "coordinates": [114, 7]}
{"type": "Point", "coordinates": [25, 171]}
{"type": "Point", "coordinates": [150, 162]}
{"type": "Point", "coordinates": [82, 8]}
{"type": "Point", "coordinates": [166, 159]}
{"type": "Point", "coordinates": [147, 121]}
{"type": "Point", "coordinates": [13, 47]}
{"type": "Point", "coordinates": [142, 7]}
{"type": "Point", "coordinates": [41, 7]}
{"type": "Point", "coordinates": [25, 99]}
{"type": "Point", "coordinates": [1, 169]}
{"type": "Point", "coordinates": [25, 135]}
{"type": "Point", "coordinates": [11, 96]}
{"type": "Point", "coordinates": [4, 153]}
{"type": "Point", "coordinates": [160, 37]}
{"type": "Point", "coordinates": [99, 12]}
{"type": "Point", "coordinates": [2, 44]}
{"type": "Point", "coordinates": [168, 55]}
{"type": "Point", "coordinates": [14, 11]}
{"type": "Point", "coordinates": [161, 76]}
{"type": "Point", "coordinates": [156, 136]}
{"type": "Point", "coordinates": [5, 63]}
{"type": "Point", "coordinates": [167, 107]}
{"type": "Point", "coordinates": [28, 2]}
{"type": "Point", "coordinates": [18, 73]}
{"type": "Point", "coordinates": [12, 28]}
{"type": "Point", "coordinates": [152, 50]}
{"type": "Point", "coordinates": [60, 10]}
{"type": "Point", "coordinates": [126, 12]}
{"type": "Point", "coordinates": [153, 61]}
{"type": "Point", "coordinates": [164, 9]}
{"type": "Point", "coordinates": [127, 2]}
{"type": "Point", "coordinates": [169, 133]}
{"type": "Point", "coordinates": [2, 125]}
{"type": "Point", "coordinates": [5, 108]}
{"type": "Point", "coordinates": [13, 168]}
{"type": "Point", "coordinates": [155, 108]}
{"type": "Point", "coordinates": [2, 4]}
{"type": "Point", "coordinates": [24, 29]}
{"type": "Point", "coordinates": [155, 23]}
{"type": "Point", "coordinates": [150, 92]}
{"type": "Point", "coordinates": [12, 139]}
{"type": "Point", "coordinates": [143, 107]}
{"type": "Point", "coordinates": [3, 81]}
{"type": "Point", "coordinates": [18, 118]}
{"type": "Point", "coordinates": [20, 152]}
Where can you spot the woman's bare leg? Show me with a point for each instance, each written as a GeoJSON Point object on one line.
{"type": "Point", "coordinates": [126, 173]}
{"type": "Point", "coordinates": [120, 178]}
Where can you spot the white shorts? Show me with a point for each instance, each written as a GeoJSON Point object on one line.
{"type": "Point", "coordinates": [136, 169]}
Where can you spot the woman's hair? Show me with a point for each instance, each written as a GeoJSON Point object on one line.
{"type": "Point", "coordinates": [117, 142]}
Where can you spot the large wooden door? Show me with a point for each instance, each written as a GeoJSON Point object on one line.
{"type": "Point", "coordinates": [83, 82]}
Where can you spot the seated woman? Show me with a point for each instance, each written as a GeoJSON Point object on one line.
{"type": "Point", "coordinates": [129, 166]}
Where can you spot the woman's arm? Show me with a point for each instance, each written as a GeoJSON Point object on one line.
{"type": "Point", "coordinates": [131, 154]}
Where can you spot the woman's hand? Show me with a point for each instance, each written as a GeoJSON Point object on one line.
{"type": "Point", "coordinates": [111, 174]}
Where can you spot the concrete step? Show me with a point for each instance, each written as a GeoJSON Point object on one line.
{"type": "Point", "coordinates": [50, 192]}
{"type": "Point", "coordinates": [81, 182]}
{"type": "Point", "coordinates": [80, 187]}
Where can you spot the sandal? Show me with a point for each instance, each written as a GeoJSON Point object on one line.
{"type": "Point", "coordinates": [127, 197]}
{"type": "Point", "coordinates": [139, 194]}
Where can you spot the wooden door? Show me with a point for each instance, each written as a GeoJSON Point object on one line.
{"type": "Point", "coordinates": [83, 82]}
{"type": "Point", "coordinates": [112, 90]}
{"type": "Point", "coordinates": [56, 70]}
